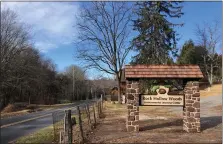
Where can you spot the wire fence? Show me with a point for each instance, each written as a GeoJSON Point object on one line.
{"type": "Point", "coordinates": [58, 123]}
{"type": "Point", "coordinates": [73, 125]}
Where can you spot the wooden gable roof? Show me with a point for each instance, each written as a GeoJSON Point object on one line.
{"type": "Point", "coordinates": [162, 71]}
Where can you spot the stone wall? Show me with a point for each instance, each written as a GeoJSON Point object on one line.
{"type": "Point", "coordinates": [132, 93]}
{"type": "Point", "coordinates": [191, 109]}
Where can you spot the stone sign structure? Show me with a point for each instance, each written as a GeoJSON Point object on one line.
{"type": "Point", "coordinates": [190, 74]}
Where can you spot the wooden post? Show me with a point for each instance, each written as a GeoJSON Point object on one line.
{"type": "Point", "coordinates": [94, 115]}
{"type": "Point", "coordinates": [101, 102]}
{"type": "Point", "coordinates": [73, 121]}
{"type": "Point", "coordinates": [60, 140]}
{"type": "Point", "coordinates": [89, 115]}
{"type": "Point", "coordinates": [98, 110]}
{"type": "Point", "coordinates": [80, 124]}
{"type": "Point", "coordinates": [101, 98]}
{"type": "Point", "coordinates": [67, 127]}
{"type": "Point", "coordinates": [100, 107]}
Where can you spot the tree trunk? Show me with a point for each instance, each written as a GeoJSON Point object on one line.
{"type": "Point", "coordinates": [29, 98]}
{"type": "Point", "coordinates": [211, 75]}
{"type": "Point", "coordinates": [119, 90]}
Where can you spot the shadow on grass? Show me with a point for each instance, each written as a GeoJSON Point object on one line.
{"type": "Point", "coordinates": [161, 124]}
{"type": "Point", "coordinates": [206, 123]}
{"type": "Point", "coordinates": [210, 122]}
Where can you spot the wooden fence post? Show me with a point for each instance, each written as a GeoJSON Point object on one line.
{"type": "Point", "coordinates": [88, 109]}
{"type": "Point", "coordinates": [98, 109]}
{"type": "Point", "coordinates": [80, 124]}
{"type": "Point", "coordinates": [101, 105]}
{"type": "Point", "coordinates": [88, 115]}
{"type": "Point", "coordinates": [67, 127]}
{"type": "Point", "coordinates": [101, 102]}
{"type": "Point", "coordinates": [60, 140]}
{"type": "Point", "coordinates": [94, 115]}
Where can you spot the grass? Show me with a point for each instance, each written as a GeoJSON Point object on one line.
{"type": "Point", "coordinates": [160, 126]}
{"type": "Point", "coordinates": [17, 113]}
{"type": "Point", "coordinates": [116, 105]}
{"type": "Point", "coordinates": [215, 90]}
{"type": "Point", "coordinates": [53, 106]}
{"type": "Point", "coordinates": [44, 135]}
{"type": "Point", "coordinates": [26, 111]}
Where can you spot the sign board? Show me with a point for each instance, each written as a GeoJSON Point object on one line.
{"type": "Point", "coordinates": [162, 99]}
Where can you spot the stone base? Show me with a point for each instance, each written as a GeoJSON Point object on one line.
{"type": "Point", "coordinates": [131, 128]}
{"type": "Point", "coordinates": [191, 110]}
{"type": "Point", "coordinates": [132, 95]}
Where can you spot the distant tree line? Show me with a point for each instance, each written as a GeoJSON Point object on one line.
{"type": "Point", "coordinates": [27, 76]}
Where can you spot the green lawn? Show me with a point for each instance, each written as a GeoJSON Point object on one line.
{"type": "Point", "coordinates": [44, 135]}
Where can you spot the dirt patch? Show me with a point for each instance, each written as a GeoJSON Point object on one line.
{"type": "Point", "coordinates": [157, 125]}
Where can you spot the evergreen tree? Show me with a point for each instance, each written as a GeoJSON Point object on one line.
{"type": "Point", "coordinates": [157, 38]}
{"type": "Point", "coordinates": [191, 54]}
{"type": "Point", "coordinates": [187, 55]}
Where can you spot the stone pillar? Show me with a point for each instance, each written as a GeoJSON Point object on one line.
{"type": "Point", "coordinates": [191, 110]}
{"type": "Point", "coordinates": [132, 93]}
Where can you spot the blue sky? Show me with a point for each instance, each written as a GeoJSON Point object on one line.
{"type": "Point", "coordinates": [53, 26]}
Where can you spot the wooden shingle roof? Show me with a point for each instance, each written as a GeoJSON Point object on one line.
{"type": "Point", "coordinates": [163, 71]}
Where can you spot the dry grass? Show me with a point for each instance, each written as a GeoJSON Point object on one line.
{"type": "Point", "coordinates": [218, 107]}
{"type": "Point", "coordinates": [153, 129]}
{"type": "Point", "coordinates": [13, 110]}
{"type": "Point", "coordinates": [10, 108]}
{"type": "Point", "coordinates": [18, 113]}
{"type": "Point", "coordinates": [214, 91]}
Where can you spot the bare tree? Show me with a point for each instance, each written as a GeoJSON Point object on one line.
{"type": "Point", "coordinates": [209, 37]}
{"type": "Point", "coordinates": [104, 31]}
{"type": "Point", "coordinates": [78, 85]}
{"type": "Point", "coordinates": [14, 39]}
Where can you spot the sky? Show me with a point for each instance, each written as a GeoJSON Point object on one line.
{"type": "Point", "coordinates": [53, 26]}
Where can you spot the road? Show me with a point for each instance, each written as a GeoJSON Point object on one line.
{"type": "Point", "coordinates": [18, 126]}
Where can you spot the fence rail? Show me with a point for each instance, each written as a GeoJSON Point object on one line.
{"type": "Point", "coordinates": [72, 125]}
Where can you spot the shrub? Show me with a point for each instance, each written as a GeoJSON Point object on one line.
{"type": "Point", "coordinates": [64, 101]}
{"type": "Point", "coordinates": [10, 108]}
{"type": "Point", "coordinates": [31, 106]}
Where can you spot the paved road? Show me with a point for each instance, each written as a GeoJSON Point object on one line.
{"type": "Point", "coordinates": [11, 133]}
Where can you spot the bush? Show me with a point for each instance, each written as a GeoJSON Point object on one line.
{"type": "Point", "coordinates": [64, 101]}
{"type": "Point", "coordinates": [10, 108]}
{"type": "Point", "coordinates": [31, 106]}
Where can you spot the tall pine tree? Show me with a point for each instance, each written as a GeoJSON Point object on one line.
{"type": "Point", "coordinates": [157, 38]}
{"type": "Point", "coordinates": [187, 55]}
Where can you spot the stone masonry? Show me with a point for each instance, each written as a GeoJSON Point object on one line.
{"type": "Point", "coordinates": [191, 109]}
{"type": "Point", "coordinates": [132, 91]}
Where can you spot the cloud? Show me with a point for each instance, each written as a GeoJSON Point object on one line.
{"type": "Point", "coordinates": [45, 45]}
{"type": "Point", "coordinates": [52, 23]}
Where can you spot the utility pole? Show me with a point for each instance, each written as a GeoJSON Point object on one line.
{"type": "Point", "coordinates": [87, 96]}
{"type": "Point", "coordinates": [91, 93]}
{"type": "Point", "coordinates": [73, 82]}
